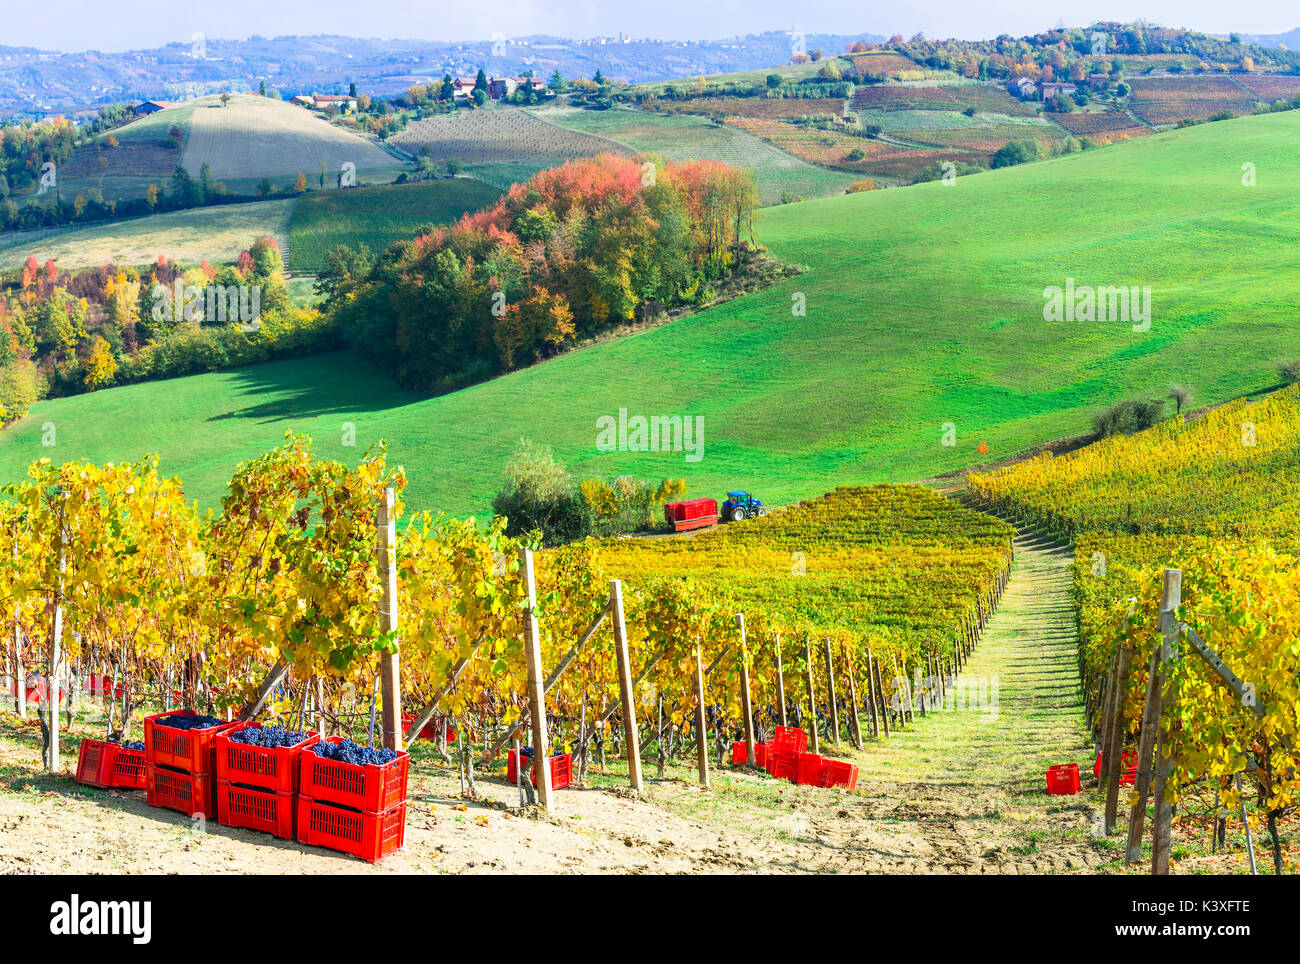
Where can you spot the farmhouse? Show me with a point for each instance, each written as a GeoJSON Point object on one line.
{"type": "Point", "coordinates": [342, 101]}
{"type": "Point", "coordinates": [1056, 88]}
{"type": "Point", "coordinates": [1022, 87]}
{"type": "Point", "coordinates": [151, 107]}
{"type": "Point", "coordinates": [462, 86]}
{"type": "Point", "coordinates": [1098, 81]}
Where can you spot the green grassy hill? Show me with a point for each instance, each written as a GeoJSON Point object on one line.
{"type": "Point", "coordinates": [924, 306]}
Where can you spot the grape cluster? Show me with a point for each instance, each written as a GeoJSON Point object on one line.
{"type": "Point", "coordinates": [179, 722]}
{"type": "Point", "coordinates": [268, 736]}
{"type": "Point", "coordinates": [133, 745]}
{"type": "Point", "coordinates": [350, 752]}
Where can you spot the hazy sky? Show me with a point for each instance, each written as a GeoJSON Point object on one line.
{"type": "Point", "coordinates": [93, 24]}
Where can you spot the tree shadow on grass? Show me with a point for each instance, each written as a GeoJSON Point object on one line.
{"type": "Point", "coordinates": [335, 383]}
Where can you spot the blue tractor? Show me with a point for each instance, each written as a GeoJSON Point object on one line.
{"type": "Point", "coordinates": [741, 505]}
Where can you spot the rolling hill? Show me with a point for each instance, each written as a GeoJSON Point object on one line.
{"type": "Point", "coordinates": [924, 307]}
{"type": "Point", "coordinates": [247, 139]}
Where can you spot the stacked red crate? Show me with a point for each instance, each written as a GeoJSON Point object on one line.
{"type": "Point", "coordinates": [179, 765]}
{"type": "Point", "coordinates": [360, 810]}
{"type": "Point", "coordinates": [257, 786]}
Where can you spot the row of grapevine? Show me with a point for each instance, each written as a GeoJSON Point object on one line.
{"type": "Point", "coordinates": [1214, 497]}
{"type": "Point", "coordinates": [111, 570]}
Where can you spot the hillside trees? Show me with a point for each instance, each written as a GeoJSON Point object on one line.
{"type": "Point", "coordinates": [575, 251]}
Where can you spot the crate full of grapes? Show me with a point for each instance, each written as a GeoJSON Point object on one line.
{"type": "Point", "coordinates": [339, 771]}
{"type": "Point", "coordinates": [182, 740]}
{"type": "Point", "coordinates": [253, 755]}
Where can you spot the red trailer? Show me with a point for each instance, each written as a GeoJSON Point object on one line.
{"type": "Point", "coordinates": [691, 514]}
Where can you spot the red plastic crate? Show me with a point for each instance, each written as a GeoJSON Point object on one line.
{"type": "Point", "coordinates": [809, 770]}
{"type": "Point", "coordinates": [839, 773]}
{"type": "Point", "coordinates": [189, 750]}
{"type": "Point", "coordinates": [271, 768]}
{"type": "Point", "coordinates": [128, 769]}
{"type": "Point", "coordinates": [430, 731]}
{"type": "Point", "coordinates": [372, 788]}
{"type": "Point", "coordinates": [189, 793]}
{"type": "Point", "coordinates": [1128, 761]}
{"type": "Point", "coordinates": [95, 763]}
{"type": "Point", "coordinates": [266, 810]}
{"type": "Point", "coordinates": [738, 753]}
{"type": "Point", "coordinates": [363, 834]}
{"type": "Point", "coordinates": [561, 769]}
{"type": "Point", "coordinates": [98, 685]}
{"type": "Point", "coordinates": [783, 765]}
{"type": "Point", "coordinates": [789, 739]}
{"type": "Point", "coordinates": [1063, 779]}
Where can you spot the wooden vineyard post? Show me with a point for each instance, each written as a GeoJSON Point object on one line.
{"type": "Point", "coordinates": [830, 686]}
{"type": "Point", "coordinates": [871, 696]}
{"type": "Point", "coordinates": [1145, 752]}
{"type": "Point", "coordinates": [625, 686]}
{"type": "Point", "coordinates": [389, 671]}
{"type": "Point", "coordinates": [1108, 701]}
{"type": "Point", "coordinates": [536, 694]}
{"type": "Point", "coordinates": [812, 699]}
{"type": "Point", "coordinates": [853, 702]}
{"type": "Point", "coordinates": [880, 693]}
{"type": "Point", "coordinates": [1163, 812]}
{"type": "Point", "coordinates": [746, 706]}
{"type": "Point", "coordinates": [1113, 753]}
{"type": "Point", "coordinates": [909, 712]}
{"type": "Point", "coordinates": [56, 642]}
{"type": "Point", "coordinates": [780, 685]}
{"type": "Point", "coordinates": [701, 734]}
{"type": "Point", "coordinates": [20, 672]}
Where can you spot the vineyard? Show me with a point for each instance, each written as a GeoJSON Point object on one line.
{"type": "Point", "coordinates": [1125, 501]}
{"type": "Point", "coordinates": [1113, 124]}
{"type": "Point", "coordinates": [984, 98]}
{"type": "Point", "coordinates": [766, 108]}
{"type": "Point", "coordinates": [886, 65]}
{"type": "Point", "coordinates": [683, 137]}
{"type": "Point", "coordinates": [838, 150]}
{"type": "Point", "coordinates": [1167, 100]}
{"type": "Point", "coordinates": [496, 135]}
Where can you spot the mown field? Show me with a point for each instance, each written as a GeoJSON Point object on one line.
{"type": "Point", "coordinates": [377, 216]}
{"type": "Point", "coordinates": [216, 233]}
{"type": "Point", "coordinates": [254, 137]}
{"type": "Point", "coordinates": [924, 306]}
{"type": "Point", "coordinates": [686, 138]}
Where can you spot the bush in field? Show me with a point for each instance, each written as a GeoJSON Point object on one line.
{"type": "Point", "coordinates": [1127, 417]}
{"type": "Point", "coordinates": [1288, 369]}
